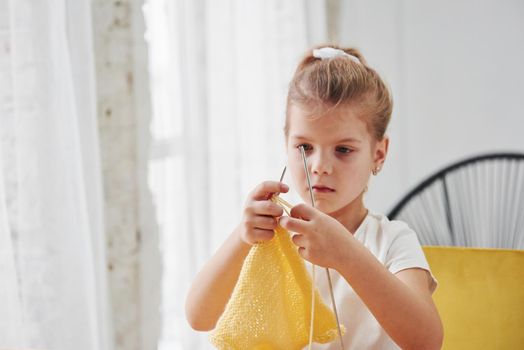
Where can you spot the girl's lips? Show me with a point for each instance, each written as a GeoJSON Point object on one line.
{"type": "Point", "coordinates": [322, 189]}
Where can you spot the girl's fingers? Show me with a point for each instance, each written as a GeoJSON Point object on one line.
{"type": "Point", "coordinates": [303, 253]}
{"type": "Point", "coordinates": [264, 222]}
{"type": "Point", "coordinates": [266, 208]}
{"type": "Point", "coordinates": [292, 224]}
{"type": "Point", "coordinates": [303, 211]}
{"type": "Point", "coordinates": [298, 240]}
{"type": "Point", "coordinates": [259, 235]}
{"type": "Point", "coordinates": [265, 189]}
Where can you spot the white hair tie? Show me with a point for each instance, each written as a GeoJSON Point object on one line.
{"type": "Point", "coordinates": [326, 53]}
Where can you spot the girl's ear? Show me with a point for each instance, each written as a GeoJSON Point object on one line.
{"type": "Point", "coordinates": [381, 151]}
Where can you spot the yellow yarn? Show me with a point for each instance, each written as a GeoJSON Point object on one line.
{"type": "Point", "coordinates": [270, 307]}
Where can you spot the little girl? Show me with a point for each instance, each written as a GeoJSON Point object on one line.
{"type": "Point", "coordinates": [338, 109]}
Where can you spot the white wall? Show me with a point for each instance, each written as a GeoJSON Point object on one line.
{"type": "Point", "coordinates": [455, 68]}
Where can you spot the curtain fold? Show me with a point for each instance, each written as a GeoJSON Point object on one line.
{"type": "Point", "coordinates": [219, 76]}
{"type": "Point", "coordinates": [51, 222]}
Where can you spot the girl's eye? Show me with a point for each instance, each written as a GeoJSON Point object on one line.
{"type": "Point", "coordinates": [344, 150]}
{"type": "Point", "coordinates": [306, 147]}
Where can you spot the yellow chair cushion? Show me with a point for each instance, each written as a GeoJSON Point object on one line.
{"type": "Point", "coordinates": [480, 296]}
{"type": "Point", "coordinates": [270, 307]}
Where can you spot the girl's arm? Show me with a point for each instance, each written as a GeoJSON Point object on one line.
{"type": "Point", "coordinates": [214, 284]}
{"type": "Point", "coordinates": [401, 302]}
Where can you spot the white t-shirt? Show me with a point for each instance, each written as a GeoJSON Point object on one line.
{"type": "Point", "coordinates": [397, 247]}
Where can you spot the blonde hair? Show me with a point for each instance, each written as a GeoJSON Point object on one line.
{"type": "Point", "coordinates": [328, 83]}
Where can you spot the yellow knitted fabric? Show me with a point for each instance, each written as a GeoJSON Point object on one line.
{"type": "Point", "coordinates": [270, 307]}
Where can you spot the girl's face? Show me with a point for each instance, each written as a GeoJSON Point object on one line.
{"type": "Point", "coordinates": [340, 154]}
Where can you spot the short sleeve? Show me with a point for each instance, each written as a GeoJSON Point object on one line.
{"type": "Point", "coordinates": [406, 252]}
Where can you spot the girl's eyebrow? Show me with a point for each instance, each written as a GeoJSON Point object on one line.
{"type": "Point", "coordinates": [298, 137]}
{"type": "Point", "coordinates": [348, 140]}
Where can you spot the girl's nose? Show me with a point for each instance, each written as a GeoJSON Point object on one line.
{"type": "Point", "coordinates": [320, 164]}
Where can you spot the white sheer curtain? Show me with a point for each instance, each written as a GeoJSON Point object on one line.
{"type": "Point", "coordinates": [52, 259]}
{"type": "Point", "coordinates": [219, 75]}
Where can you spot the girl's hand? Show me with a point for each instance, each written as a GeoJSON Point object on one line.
{"type": "Point", "coordinates": [321, 239]}
{"type": "Point", "coordinates": [260, 215]}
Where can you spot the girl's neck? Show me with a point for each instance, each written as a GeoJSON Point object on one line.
{"type": "Point", "coordinates": [352, 215]}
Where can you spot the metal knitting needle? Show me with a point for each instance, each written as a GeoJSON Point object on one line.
{"type": "Point", "coordinates": [283, 173]}
{"type": "Point", "coordinates": [303, 153]}
{"type": "Point", "coordinates": [272, 195]}
{"type": "Point", "coordinates": [281, 178]}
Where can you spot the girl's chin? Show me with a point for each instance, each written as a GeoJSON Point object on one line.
{"type": "Point", "coordinates": [320, 203]}
{"type": "Point", "coordinates": [331, 208]}
{"type": "Point", "coordinates": [323, 205]}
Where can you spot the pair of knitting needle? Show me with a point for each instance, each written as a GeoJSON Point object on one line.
{"type": "Point", "coordinates": [303, 153]}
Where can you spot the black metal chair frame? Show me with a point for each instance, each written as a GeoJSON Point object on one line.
{"type": "Point", "coordinates": [441, 176]}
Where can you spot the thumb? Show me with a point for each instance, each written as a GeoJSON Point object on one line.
{"type": "Point", "coordinates": [303, 211]}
